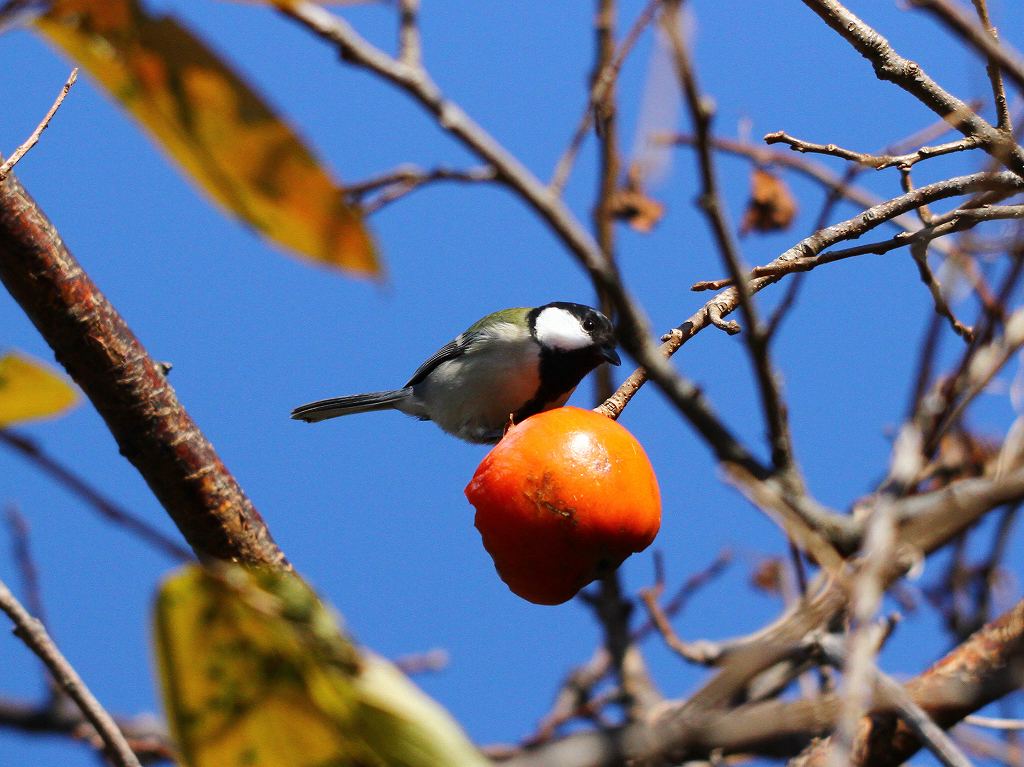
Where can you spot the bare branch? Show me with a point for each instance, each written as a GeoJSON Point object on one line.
{"type": "Point", "coordinates": [146, 735]}
{"type": "Point", "coordinates": [396, 184]}
{"type": "Point", "coordinates": [995, 77]}
{"type": "Point", "coordinates": [916, 718]}
{"type": "Point", "coordinates": [877, 551]}
{"type": "Point", "coordinates": [127, 387]}
{"type": "Point", "coordinates": [710, 201]}
{"type": "Point", "coordinates": [876, 161]}
{"type": "Point", "coordinates": [806, 252]}
{"type": "Point", "coordinates": [984, 668]}
{"type": "Point", "coordinates": [838, 186]}
{"type": "Point", "coordinates": [702, 652]}
{"type": "Point", "coordinates": [34, 635]}
{"type": "Point", "coordinates": [919, 251]}
{"type": "Point", "coordinates": [409, 48]}
{"type": "Point", "coordinates": [994, 723]}
{"type": "Point", "coordinates": [982, 38]}
{"type": "Point", "coordinates": [106, 507]}
{"type": "Point", "coordinates": [602, 84]}
{"type": "Point", "coordinates": [909, 76]}
{"type": "Point", "coordinates": [33, 139]}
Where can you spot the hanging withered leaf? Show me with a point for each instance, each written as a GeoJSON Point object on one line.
{"type": "Point", "coordinates": [255, 671]}
{"type": "Point", "coordinates": [771, 206]}
{"type": "Point", "coordinates": [768, 575]}
{"type": "Point", "coordinates": [632, 205]}
{"type": "Point", "coordinates": [30, 390]}
{"type": "Point", "coordinates": [218, 130]}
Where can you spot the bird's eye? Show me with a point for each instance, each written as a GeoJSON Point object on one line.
{"type": "Point", "coordinates": [589, 324]}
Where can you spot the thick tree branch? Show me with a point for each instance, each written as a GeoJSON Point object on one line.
{"type": "Point", "coordinates": [127, 388]}
{"type": "Point", "coordinates": [986, 667]}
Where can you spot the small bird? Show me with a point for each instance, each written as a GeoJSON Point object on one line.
{"type": "Point", "coordinates": [507, 366]}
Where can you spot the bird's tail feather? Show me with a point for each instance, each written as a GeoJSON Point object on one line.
{"type": "Point", "coordinates": [323, 409]}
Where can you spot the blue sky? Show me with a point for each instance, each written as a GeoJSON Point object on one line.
{"type": "Point", "coordinates": [371, 508]}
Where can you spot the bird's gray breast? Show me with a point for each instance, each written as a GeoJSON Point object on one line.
{"type": "Point", "coordinates": [474, 394]}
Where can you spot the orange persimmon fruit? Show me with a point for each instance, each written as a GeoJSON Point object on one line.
{"type": "Point", "coordinates": [563, 499]}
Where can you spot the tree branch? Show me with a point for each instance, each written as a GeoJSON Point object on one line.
{"type": "Point", "coordinates": [987, 666]}
{"type": "Point", "coordinates": [33, 139]}
{"type": "Point", "coordinates": [978, 37]}
{"type": "Point", "coordinates": [109, 509]}
{"type": "Point", "coordinates": [876, 161]}
{"type": "Point", "coordinates": [128, 389]}
{"type": "Point", "coordinates": [909, 76]}
{"type": "Point", "coordinates": [34, 635]}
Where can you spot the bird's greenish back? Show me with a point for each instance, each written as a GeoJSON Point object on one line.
{"type": "Point", "coordinates": [515, 316]}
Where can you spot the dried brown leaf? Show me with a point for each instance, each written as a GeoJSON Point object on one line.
{"type": "Point", "coordinates": [632, 205]}
{"type": "Point", "coordinates": [771, 206]}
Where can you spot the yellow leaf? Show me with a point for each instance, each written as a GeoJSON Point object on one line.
{"type": "Point", "coordinates": [30, 390]}
{"type": "Point", "coordinates": [256, 672]}
{"type": "Point", "coordinates": [218, 130]}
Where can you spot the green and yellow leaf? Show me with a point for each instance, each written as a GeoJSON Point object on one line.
{"type": "Point", "coordinates": [30, 390]}
{"type": "Point", "coordinates": [215, 127]}
{"type": "Point", "coordinates": [256, 672]}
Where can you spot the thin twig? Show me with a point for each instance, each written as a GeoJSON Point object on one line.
{"type": "Point", "coordinates": [710, 201]}
{"type": "Point", "coordinates": [994, 723]}
{"type": "Point", "coordinates": [106, 507]}
{"type": "Point", "coordinates": [839, 187]}
{"type": "Point", "coordinates": [701, 652]}
{"type": "Point", "coordinates": [26, 565]}
{"type": "Point", "coordinates": [911, 77]}
{"type": "Point", "coordinates": [423, 662]}
{"type": "Point", "coordinates": [947, 404]}
{"type": "Point", "coordinates": [413, 175]}
{"type": "Point", "coordinates": [919, 252]}
{"type": "Point", "coordinates": [978, 36]}
{"type": "Point", "coordinates": [33, 139]}
{"type": "Point", "coordinates": [876, 161]}
{"type": "Point", "coordinates": [147, 735]}
{"type": "Point", "coordinates": [601, 85]}
{"type": "Point", "coordinates": [807, 251]}
{"type": "Point", "coordinates": [1004, 121]}
{"type": "Point", "coordinates": [409, 49]}
{"type": "Point", "coordinates": [396, 184]}
{"type": "Point", "coordinates": [34, 635]}
{"type": "Point", "coordinates": [608, 160]}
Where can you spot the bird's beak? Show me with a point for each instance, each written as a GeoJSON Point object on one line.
{"type": "Point", "coordinates": [612, 356]}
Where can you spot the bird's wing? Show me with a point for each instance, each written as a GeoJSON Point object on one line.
{"type": "Point", "coordinates": [449, 351]}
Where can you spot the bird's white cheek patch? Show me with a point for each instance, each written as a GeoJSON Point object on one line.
{"type": "Point", "coordinates": [561, 330]}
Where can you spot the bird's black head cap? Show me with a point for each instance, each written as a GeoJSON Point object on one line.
{"type": "Point", "coordinates": [564, 327]}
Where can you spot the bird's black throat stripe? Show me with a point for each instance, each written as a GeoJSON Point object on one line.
{"type": "Point", "coordinates": [560, 372]}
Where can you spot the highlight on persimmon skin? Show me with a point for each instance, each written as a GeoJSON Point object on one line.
{"type": "Point", "coordinates": [564, 498]}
